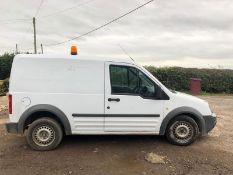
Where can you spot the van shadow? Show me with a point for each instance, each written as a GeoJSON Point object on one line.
{"type": "Point", "coordinates": [112, 139]}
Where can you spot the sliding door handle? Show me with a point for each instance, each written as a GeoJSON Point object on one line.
{"type": "Point", "coordinates": [114, 99]}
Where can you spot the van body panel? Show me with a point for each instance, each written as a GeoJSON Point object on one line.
{"type": "Point", "coordinates": [71, 85]}
{"type": "Point", "coordinates": [80, 87]}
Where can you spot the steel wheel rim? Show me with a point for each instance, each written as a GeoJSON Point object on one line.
{"type": "Point", "coordinates": [43, 135]}
{"type": "Point", "coordinates": [183, 131]}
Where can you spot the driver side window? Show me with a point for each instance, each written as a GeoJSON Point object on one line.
{"type": "Point", "coordinates": [129, 80]}
{"type": "Point", "coordinates": [124, 80]}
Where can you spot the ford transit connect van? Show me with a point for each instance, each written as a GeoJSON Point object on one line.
{"type": "Point", "coordinates": [52, 96]}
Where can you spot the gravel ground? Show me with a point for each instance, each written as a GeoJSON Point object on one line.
{"type": "Point", "coordinates": [212, 154]}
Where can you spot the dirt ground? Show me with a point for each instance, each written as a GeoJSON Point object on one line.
{"type": "Point", "coordinates": [136, 155]}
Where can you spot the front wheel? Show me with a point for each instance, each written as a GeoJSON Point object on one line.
{"type": "Point", "coordinates": [44, 134]}
{"type": "Point", "coordinates": [183, 130]}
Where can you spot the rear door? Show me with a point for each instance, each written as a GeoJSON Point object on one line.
{"type": "Point", "coordinates": [130, 105]}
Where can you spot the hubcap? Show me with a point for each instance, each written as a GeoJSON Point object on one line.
{"type": "Point", "coordinates": [183, 130]}
{"type": "Point", "coordinates": [43, 135]}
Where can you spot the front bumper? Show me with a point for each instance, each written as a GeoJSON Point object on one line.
{"type": "Point", "coordinates": [210, 122]}
{"type": "Point", "coordinates": [12, 127]}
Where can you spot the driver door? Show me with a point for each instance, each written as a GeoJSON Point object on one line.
{"type": "Point", "coordinates": [130, 104]}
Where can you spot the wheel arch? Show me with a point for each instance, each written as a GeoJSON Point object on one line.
{"type": "Point", "coordinates": [34, 112]}
{"type": "Point", "coordinates": [193, 113]}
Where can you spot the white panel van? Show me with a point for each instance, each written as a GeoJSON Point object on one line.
{"type": "Point", "coordinates": [52, 96]}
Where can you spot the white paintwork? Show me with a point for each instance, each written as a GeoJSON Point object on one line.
{"type": "Point", "coordinates": [77, 84]}
{"type": "Point", "coordinates": [130, 104]}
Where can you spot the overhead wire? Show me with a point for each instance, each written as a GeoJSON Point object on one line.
{"type": "Point", "coordinates": [70, 8]}
{"type": "Point", "coordinates": [100, 27]}
{"type": "Point", "coordinates": [66, 9]}
{"type": "Point", "coordinates": [26, 34]}
{"type": "Point", "coordinates": [14, 20]}
{"type": "Point", "coordinates": [29, 28]}
{"type": "Point", "coordinates": [9, 21]}
{"type": "Point", "coordinates": [39, 7]}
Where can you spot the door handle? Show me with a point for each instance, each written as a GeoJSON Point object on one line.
{"type": "Point", "coordinates": [114, 99]}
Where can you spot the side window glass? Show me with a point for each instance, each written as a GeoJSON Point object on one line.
{"type": "Point", "coordinates": [147, 87]}
{"type": "Point", "coordinates": [129, 80]}
{"type": "Point", "coordinates": [124, 80]}
{"type": "Point", "coordinates": [118, 78]}
{"type": "Point", "coordinates": [133, 80]}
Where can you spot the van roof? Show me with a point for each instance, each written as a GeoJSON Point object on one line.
{"type": "Point", "coordinates": [89, 58]}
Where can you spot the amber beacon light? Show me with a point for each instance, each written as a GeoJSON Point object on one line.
{"type": "Point", "coordinates": [73, 50]}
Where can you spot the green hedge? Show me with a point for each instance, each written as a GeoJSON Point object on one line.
{"type": "Point", "coordinates": [212, 80]}
{"type": "Point", "coordinates": [5, 65]}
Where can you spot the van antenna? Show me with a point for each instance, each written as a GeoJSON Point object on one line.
{"type": "Point", "coordinates": [125, 52]}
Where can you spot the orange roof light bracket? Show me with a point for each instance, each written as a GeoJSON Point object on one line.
{"type": "Point", "coordinates": [74, 50]}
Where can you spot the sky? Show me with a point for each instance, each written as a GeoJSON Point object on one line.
{"type": "Point", "coordinates": [184, 33]}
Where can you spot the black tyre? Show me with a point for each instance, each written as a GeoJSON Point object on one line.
{"type": "Point", "coordinates": [44, 134]}
{"type": "Point", "coordinates": [183, 130]}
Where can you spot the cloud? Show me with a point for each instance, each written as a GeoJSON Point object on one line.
{"type": "Point", "coordinates": [164, 33]}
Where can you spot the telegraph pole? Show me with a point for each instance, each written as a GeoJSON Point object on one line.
{"type": "Point", "coordinates": [16, 49]}
{"type": "Point", "coordinates": [42, 50]}
{"type": "Point", "coordinates": [34, 28]}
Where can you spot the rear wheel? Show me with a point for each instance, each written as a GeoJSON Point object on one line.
{"type": "Point", "coordinates": [183, 130]}
{"type": "Point", "coordinates": [44, 134]}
